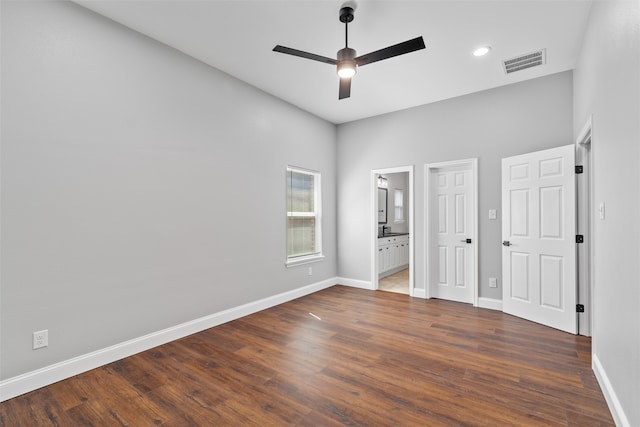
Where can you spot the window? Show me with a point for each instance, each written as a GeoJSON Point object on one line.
{"type": "Point", "coordinates": [304, 235]}
{"type": "Point", "coordinates": [398, 203]}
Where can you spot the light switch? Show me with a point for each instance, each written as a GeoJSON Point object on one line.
{"type": "Point", "coordinates": [601, 210]}
{"type": "Point", "coordinates": [493, 214]}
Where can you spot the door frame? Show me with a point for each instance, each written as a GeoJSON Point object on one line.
{"type": "Point", "coordinates": [585, 225]}
{"type": "Point", "coordinates": [374, 223]}
{"type": "Point", "coordinates": [429, 201]}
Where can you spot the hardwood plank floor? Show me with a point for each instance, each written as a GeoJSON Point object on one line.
{"type": "Point", "coordinates": [373, 358]}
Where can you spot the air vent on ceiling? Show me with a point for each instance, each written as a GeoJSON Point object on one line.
{"type": "Point", "coordinates": [523, 62]}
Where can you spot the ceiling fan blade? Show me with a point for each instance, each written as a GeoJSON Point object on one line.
{"type": "Point", "coordinates": [303, 54]}
{"type": "Point", "coordinates": [391, 51]}
{"type": "Point", "coordinates": [345, 88]}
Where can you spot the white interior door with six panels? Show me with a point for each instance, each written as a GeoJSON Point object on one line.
{"type": "Point", "coordinates": [453, 257]}
{"type": "Point", "coordinates": [538, 232]}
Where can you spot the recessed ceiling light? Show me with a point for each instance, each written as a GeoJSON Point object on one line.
{"type": "Point", "coordinates": [481, 51]}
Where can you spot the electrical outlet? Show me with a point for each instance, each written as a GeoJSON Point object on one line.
{"type": "Point", "coordinates": [310, 271]}
{"type": "Point", "coordinates": [40, 339]}
{"type": "Point", "coordinates": [493, 282]}
{"type": "Point", "coordinates": [493, 214]}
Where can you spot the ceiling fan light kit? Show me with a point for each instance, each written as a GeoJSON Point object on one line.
{"type": "Point", "coordinates": [346, 70]}
{"type": "Point", "coordinates": [347, 62]}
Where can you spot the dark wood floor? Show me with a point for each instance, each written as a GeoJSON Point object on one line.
{"type": "Point", "coordinates": [374, 358]}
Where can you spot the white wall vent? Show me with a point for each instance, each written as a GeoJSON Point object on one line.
{"type": "Point", "coordinates": [522, 62]}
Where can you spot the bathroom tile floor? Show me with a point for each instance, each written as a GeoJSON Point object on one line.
{"type": "Point", "coordinates": [398, 282]}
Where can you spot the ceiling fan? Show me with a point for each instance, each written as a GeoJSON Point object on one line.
{"type": "Point", "coordinates": [347, 61]}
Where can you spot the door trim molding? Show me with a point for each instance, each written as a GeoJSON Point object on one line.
{"type": "Point", "coordinates": [585, 209]}
{"type": "Point", "coordinates": [472, 164]}
{"type": "Point", "coordinates": [374, 224]}
{"type": "Point", "coordinates": [584, 137]}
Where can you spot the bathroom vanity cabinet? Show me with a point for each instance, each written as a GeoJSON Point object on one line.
{"type": "Point", "coordinates": [393, 254]}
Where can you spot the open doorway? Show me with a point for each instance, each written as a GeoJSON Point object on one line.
{"type": "Point", "coordinates": [392, 230]}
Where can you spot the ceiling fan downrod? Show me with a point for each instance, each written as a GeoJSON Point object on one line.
{"type": "Point", "coordinates": [346, 16]}
{"type": "Point", "coordinates": [346, 63]}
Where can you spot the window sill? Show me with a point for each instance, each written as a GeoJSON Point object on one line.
{"type": "Point", "coordinates": [303, 260]}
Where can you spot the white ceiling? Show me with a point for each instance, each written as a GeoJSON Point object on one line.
{"type": "Point", "coordinates": [237, 37]}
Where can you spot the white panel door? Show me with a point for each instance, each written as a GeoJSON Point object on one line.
{"type": "Point", "coordinates": [538, 233]}
{"type": "Point", "coordinates": [453, 257]}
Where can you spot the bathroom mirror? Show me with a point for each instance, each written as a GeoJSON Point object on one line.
{"type": "Point", "coordinates": [382, 205]}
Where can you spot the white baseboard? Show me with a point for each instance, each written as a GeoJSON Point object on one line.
{"type": "Point", "coordinates": [419, 293]}
{"type": "Point", "coordinates": [490, 303]}
{"type": "Point", "coordinates": [362, 284]}
{"type": "Point", "coordinates": [610, 396]}
{"type": "Point", "coordinates": [33, 380]}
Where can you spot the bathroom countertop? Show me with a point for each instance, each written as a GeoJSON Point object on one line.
{"type": "Point", "coordinates": [392, 235]}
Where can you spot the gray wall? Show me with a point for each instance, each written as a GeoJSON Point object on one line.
{"type": "Point", "coordinates": [140, 188]}
{"type": "Point", "coordinates": [607, 85]}
{"type": "Point", "coordinates": [489, 125]}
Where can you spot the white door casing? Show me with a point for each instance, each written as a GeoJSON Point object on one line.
{"type": "Point", "coordinates": [451, 230]}
{"type": "Point", "coordinates": [584, 226]}
{"type": "Point", "coordinates": [538, 232]}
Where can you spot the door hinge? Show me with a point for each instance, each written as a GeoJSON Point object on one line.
{"type": "Point", "coordinates": [579, 308]}
{"type": "Point", "coordinates": [579, 238]}
{"type": "Point", "coordinates": [579, 169]}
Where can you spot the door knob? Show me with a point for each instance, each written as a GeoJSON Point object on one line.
{"type": "Point", "coordinates": [506, 243]}
{"type": "Point", "coordinates": [466, 240]}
